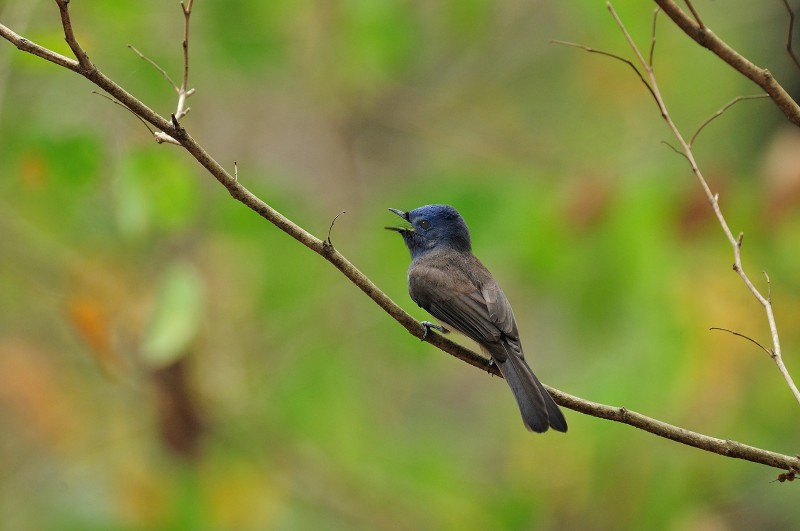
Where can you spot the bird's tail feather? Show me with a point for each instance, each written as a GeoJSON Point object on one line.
{"type": "Point", "coordinates": [539, 411]}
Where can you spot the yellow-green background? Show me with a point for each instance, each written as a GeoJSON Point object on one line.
{"type": "Point", "coordinates": [119, 257]}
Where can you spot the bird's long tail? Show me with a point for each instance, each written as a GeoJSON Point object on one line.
{"type": "Point", "coordinates": [539, 411]}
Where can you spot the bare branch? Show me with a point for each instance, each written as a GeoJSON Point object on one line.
{"type": "Point", "coordinates": [607, 54]}
{"type": "Point", "coordinates": [750, 339]}
{"type": "Point", "coordinates": [32, 48]}
{"type": "Point", "coordinates": [719, 113]}
{"type": "Point", "coordinates": [736, 243]}
{"type": "Point", "coordinates": [333, 222]}
{"type": "Point", "coordinates": [760, 76]}
{"type": "Point", "coordinates": [69, 35]}
{"type": "Point", "coordinates": [789, 33]}
{"type": "Point", "coordinates": [769, 286]}
{"type": "Point", "coordinates": [155, 65]}
{"type": "Point", "coordinates": [184, 92]}
{"type": "Point", "coordinates": [673, 148]}
{"type": "Point", "coordinates": [727, 448]}
{"type": "Point", "coordinates": [656, 11]}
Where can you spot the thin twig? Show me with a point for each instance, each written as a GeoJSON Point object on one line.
{"type": "Point", "coordinates": [736, 243]}
{"type": "Point", "coordinates": [750, 339]}
{"type": "Point", "coordinates": [156, 66]}
{"type": "Point", "coordinates": [769, 286]}
{"type": "Point", "coordinates": [69, 35]}
{"type": "Point", "coordinates": [112, 100]}
{"type": "Point", "coordinates": [694, 13]}
{"type": "Point", "coordinates": [184, 92]}
{"type": "Point", "coordinates": [673, 148]}
{"type": "Point", "coordinates": [240, 193]}
{"type": "Point", "coordinates": [789, 33]}
{"type": "Point", "coordinates": [656, 11]}
{"type": "Point", "coordinates": [607, 54]}
{"type": "Point", "coordinates": [719, 113]}
{"type": "Point", "coordinates": [328, 239]}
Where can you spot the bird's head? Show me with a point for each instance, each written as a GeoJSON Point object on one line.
{"type": "Point", "coordinates": [431, 227]}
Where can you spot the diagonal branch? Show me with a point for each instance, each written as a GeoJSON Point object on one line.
{"type": "Point", "coordinates": [758, 75]}
{"type": "Point", "coordinates": [328, 252]}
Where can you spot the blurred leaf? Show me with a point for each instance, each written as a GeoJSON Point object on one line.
{"type": "Point", "coordinates": [153, 190]}
{"type": "Point", "coordinates": [88, 316]}
{"type": "Point", "coordinates": [176, 317]}
{"type": "Point", "coordinates": [131, 206]}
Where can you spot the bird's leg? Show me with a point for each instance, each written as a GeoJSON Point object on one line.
{"type": "Point", "coordinates": [428, 325]}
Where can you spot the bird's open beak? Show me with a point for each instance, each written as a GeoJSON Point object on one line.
{"type": "Point", "coordinates": [403, 215]}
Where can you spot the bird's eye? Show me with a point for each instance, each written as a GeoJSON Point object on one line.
{"type": "Point", "coordinates": [424, 224]}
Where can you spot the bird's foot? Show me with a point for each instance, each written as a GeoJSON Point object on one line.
{"type": "Point", "coordinates": [428, 325]}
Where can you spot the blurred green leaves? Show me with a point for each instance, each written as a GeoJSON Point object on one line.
{"type": "Point", "coordinates": [153, 193]}
{"type": "Point", "coordinates": [176, 317]}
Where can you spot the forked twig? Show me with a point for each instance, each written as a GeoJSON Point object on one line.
{"type": "Point", "coordinates": [686, 150]}
{"type": "Point", "coordinates": [182, 91]}
{"type": "Point", "coordinates": [713, 199]}
{"type": "Point", "coordinates": [755, 73]}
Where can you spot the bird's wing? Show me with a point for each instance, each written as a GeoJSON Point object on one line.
{"type": "Point", "coordinates": [450, 296]}
{"type": "Point", "coordinates": [499, 309]}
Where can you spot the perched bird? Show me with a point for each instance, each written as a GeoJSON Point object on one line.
{"type": "Point", "coordinates": [451, 284]}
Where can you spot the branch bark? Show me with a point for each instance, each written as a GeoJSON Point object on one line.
{"type": "Point", "coordinates": [325, 249]}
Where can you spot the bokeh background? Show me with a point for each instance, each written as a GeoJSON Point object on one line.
{"type": "Point", "coordinates": [169, 360]}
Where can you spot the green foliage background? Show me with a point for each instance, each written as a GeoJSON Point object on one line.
{"type": "Point", "coordinates": [125, 268]}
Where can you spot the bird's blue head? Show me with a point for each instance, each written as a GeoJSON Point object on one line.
{"type": "Point", "coordinates": [433, 227]}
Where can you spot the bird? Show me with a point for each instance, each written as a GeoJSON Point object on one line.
{"type": "Point", "coordinates": [448, 281]}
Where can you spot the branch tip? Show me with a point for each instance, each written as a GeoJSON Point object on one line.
{"type": "Point", "coordinates": [770, 352]}
{"type": "Point", "coordinates": [328, 239]}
